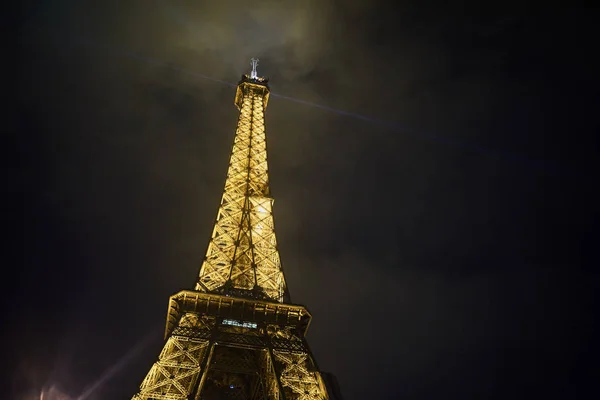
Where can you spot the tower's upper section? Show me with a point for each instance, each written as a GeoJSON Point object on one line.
{"type": "Point", "coordinates": [242, 259]}
{"type": "Point", "coordinates": [254, 82]}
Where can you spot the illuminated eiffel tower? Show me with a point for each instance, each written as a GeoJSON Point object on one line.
{"type": "Point", "coordinates": [237, 335]}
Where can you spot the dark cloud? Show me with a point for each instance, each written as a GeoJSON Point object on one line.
{"type": "Point", "coordinates": [438, 256]}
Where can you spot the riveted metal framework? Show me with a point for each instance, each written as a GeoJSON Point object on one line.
{"type": "Point", "coordinates": [236, 335]}
{"type": "Point", "coordinates": [242, 253]}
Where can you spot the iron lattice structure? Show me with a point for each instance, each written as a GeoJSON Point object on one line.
{"type": "Point", "coordinates": [237, 335]}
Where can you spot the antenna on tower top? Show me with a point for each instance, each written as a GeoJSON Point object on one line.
{"type": "Point", "coordinates": [254, 63]}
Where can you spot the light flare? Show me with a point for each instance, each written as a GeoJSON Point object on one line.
{"type": "Point", "coordinates": [52, 393]}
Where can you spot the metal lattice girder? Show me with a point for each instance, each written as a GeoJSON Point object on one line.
{"type": "Point", "coordinates": [175, 373]}
{"type": "Point", "coordinates": [242, 251]}
{"type": "Point", "coordinates": [299, 376]}
{"type": "Point", "coordinates": [237, 335]}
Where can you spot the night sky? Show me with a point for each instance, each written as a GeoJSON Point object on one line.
{"type": "Point", "coordinates": [442, 229]}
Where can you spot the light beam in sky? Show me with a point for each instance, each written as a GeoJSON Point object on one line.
{"type": "Point", "coordinates": [118, 366]}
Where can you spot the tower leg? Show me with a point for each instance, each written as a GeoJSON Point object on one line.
{"type": "Point", "coordinates": [296, 371]}
{"type": "Point", "coordinates": [174, 375]}
{"type": "Point", "coordinates": [298, 376]}
{"type": "Point", "coordinates": [204, 370]}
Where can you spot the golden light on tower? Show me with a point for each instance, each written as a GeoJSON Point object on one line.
{"type": "Point", "coordinates": [236, 335]}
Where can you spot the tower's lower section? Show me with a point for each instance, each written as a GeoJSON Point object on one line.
{"type": "Point", "coordinates": [221, 347]}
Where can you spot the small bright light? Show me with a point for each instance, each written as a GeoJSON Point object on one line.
{"type": "Point", "coordinates": [231, 386]}
{"type": "Point", "coordinates": [243, 324]}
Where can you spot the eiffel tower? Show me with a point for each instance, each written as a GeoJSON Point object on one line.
{"type": "Point", "coordinates": [237, 335]}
